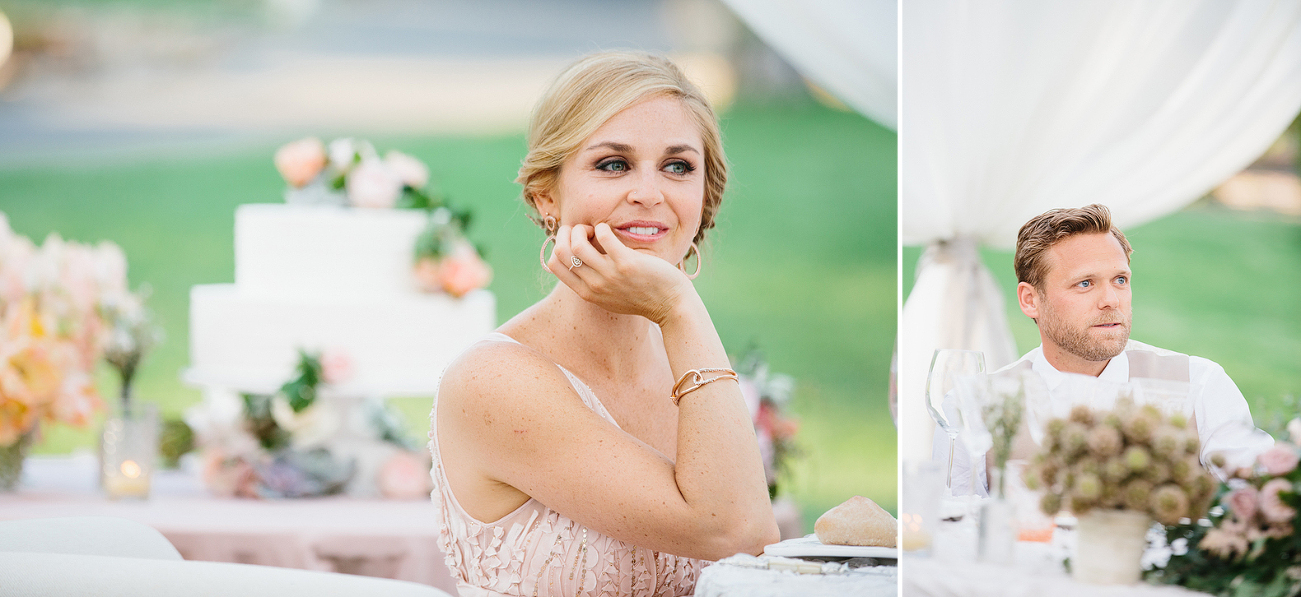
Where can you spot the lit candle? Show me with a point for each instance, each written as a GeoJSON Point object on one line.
{"type": "Point", "coordinates": [129, 480]}
{"type": "Point", "coordinates": [915, 536]}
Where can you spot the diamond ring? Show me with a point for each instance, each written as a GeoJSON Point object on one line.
{"type": "Point", "coordinates": [574, 262]}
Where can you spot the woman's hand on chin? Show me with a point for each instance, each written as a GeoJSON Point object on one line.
{"type": "Point", "coordinates": [615, 277]}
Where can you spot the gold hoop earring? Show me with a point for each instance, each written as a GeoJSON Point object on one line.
{"type": "Point", "coordinates": [549, 225]}
{"type": "Point", "coordinates": [682, 265]}
{"type": "Point", "coordinates": [542, 256]}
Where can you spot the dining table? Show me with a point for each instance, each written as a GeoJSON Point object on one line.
{"type": "Point", "coordinates": [948, 565]}
{"type": "Point", "coordinates": [384, 538]}
{"type": "Point", "coordinates": [810, 573]}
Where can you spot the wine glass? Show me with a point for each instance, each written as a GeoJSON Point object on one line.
{"type": "Point", "coordinates": [1039, 407]}
{"type": "Point", "coordinates": [945, 366]}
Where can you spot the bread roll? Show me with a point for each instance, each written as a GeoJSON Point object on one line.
{"type": "Point", "coordinates": [858, 521]}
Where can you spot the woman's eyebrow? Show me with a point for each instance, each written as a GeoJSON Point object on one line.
{"type": "Point", "coordinates": [676, 149]}
{"type": "Point", "coordinates": [620, 147]}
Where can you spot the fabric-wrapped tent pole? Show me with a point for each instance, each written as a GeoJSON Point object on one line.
{"type": "Point", "coordinates": [848, 47]}
{"type": "Point", "coordinates": [1014, 107]}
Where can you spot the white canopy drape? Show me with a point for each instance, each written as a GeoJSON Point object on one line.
{"type": "Point", "coordinates": [848, 47]}
{"type": "Point", "coordinates": [1014, 107]}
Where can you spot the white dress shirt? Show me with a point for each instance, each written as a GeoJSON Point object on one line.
{"type": "Point", "coordinates": [1224, 422]}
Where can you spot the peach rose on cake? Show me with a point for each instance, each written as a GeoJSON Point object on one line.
{"type": "Point", "coordinates": [299, 162]}
{"type": "Point", "coordinates": [463, 271]}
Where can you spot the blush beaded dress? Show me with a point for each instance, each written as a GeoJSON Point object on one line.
{"type": "Point", "coordinates": [538, 552]}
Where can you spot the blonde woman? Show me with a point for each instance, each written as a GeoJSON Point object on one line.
{"type": "Point", "coordinates": [598, 444]}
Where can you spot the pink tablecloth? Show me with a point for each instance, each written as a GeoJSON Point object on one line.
{"type": "Point", "coordinates": [384, 538]}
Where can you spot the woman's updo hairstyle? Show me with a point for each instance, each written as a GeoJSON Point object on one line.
{"type": "Point", "coordinates": [591, 92]}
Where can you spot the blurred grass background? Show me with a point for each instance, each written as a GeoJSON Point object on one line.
{"type": "Point", "coordinates": [802, 263]}
{"type": "Point", "coordinates": [1209, 281]}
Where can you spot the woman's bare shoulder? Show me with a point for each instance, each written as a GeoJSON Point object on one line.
{"type": "Point", "coordinates": [499, 374]}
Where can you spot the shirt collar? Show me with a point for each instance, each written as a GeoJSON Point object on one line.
{"type": "Point", "coordinates": [1116, 371]}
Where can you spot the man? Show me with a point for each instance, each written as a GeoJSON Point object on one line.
{"type": "Point", "coordinates": [1073, 274]}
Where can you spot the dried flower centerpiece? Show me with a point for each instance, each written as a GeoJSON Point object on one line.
{"type": "Point", "coordinates": [1250, 546]}
{"type": "Point", "coordinates": [1115, 469]}
{"type": "Point", "coordinates": [993, 407]}
{"type": "Point", "coordinates": [350, 173]}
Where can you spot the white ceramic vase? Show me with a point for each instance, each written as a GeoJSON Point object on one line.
{"type": "Point", "coordinates": [1109, 547]}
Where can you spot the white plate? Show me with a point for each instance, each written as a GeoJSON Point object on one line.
{"type": "Point", "coordinates": [810, 547]}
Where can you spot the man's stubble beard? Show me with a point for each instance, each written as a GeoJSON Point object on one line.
{"type": "Point", "coordinates": [1077, 341]}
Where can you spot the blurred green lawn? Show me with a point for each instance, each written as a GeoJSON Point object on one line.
{"type": "Point", "coordinates": [1208, 281]}
{"type": "Point", "coordinates": [802, 263]}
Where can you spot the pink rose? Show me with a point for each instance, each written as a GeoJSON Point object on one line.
{"type": "Point", "coordinates": [1242, 502]}
{"type": "Point", "coordinates": [1271, 505]}
{"type": "Point", "coordinates": [336, 366]}
{"type": "Point", "coordinates": [300, 161]}
{"type": "Point", "coordinates": [409, 170]}
{"type": "Point", "coordinates": [371, 184]}
{"type": "Point", "coordinates": [463, 272]}
{"type": "Point", "coordinates": [405, 477]}
{"type": "Point", "coordinates": [1280, 459]}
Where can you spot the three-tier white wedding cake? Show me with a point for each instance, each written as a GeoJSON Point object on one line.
{"type": "Point", "coordinates": [323, 278]}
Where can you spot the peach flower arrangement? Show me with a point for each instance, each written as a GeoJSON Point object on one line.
{"type": "Point", "coordinates": [53, 328]}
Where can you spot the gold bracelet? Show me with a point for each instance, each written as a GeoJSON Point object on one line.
{"type": "Point", "coordinates": [697, 380]}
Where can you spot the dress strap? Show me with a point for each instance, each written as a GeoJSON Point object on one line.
{"type": "Point", "coordinates": [499, 337]}
{"type": "Point", "coordinates": [584, 392]}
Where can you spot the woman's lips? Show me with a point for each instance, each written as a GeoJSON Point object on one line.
{"type": "Point", "coordinates": [643, 231]}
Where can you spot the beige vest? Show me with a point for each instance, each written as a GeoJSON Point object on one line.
{"type": "Point", "coordinates": [1143, 364]}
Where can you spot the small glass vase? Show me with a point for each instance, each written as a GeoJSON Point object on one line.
{"type": "Point", "coordinates": [11, 462]}
{"type": "Point", "coordinates": [129, 449]}
{"type": "Point", "coordinates": [997, 543]}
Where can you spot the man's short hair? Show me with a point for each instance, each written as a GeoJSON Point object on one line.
{"type": "Point", "coordinates": [1051, 227]}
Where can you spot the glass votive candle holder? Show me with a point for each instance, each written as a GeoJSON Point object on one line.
{"type": "Point", "coordinates": [1032, 524]}
{"type": "Point", "coordinates": [919, 514]}
{"type": "Point", "coordinates": [130, 448]}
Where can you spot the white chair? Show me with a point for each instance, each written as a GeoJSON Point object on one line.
{"type": "Point", "coordinates": [111, 557]}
